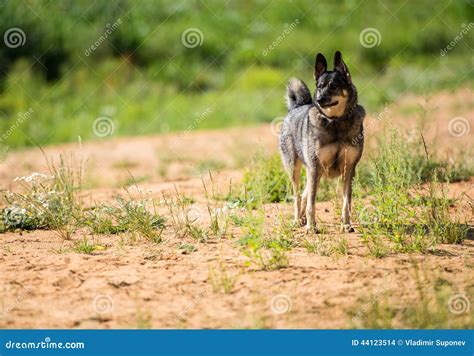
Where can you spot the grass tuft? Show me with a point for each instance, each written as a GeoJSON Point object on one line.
{"type": "Point", "coordinates": [412, 214]}
{"type": "Point", "coordinates": [46, 201]}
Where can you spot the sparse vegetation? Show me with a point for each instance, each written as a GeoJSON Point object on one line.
{"type": "Point", "coordinates": [323, 245]}
{"type": "Point", "coordinates": [221, 279]}
{"type": "Point", "coordinates": [412, 214]}
{"type": "Point", "coordinates": [184, 217]}
{"type": "Point", "coordinates": [267, 182]}
{"type": "Point", "coordinates": [53, 202]}
{"type": "Point", "coordinates": [127, 215]}
{"type": "Point", "coordinates": [87, 247]}
{"type": "Point", "coordinates": [437, 305]}
{"type": "Point", "coordinates": [266, 250]}
{"type": "Point", "coordinates": [46, 201]}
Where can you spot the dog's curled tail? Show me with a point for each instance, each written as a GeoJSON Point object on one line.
{"type": "Point", "coordinates": [297, 94]}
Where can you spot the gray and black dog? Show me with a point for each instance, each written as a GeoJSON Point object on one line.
{"type": "Point", "coordinates": [325, 135]}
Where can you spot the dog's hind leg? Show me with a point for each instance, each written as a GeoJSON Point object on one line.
{"type": "Point", "coordinates": [313, 177]}
{"type": "Point", "coordinates": [295, 182]}
{"type": "Point", "coordinates": [304, 199]}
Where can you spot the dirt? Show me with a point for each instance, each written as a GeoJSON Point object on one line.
{"type": "Point", "coordinates": [133, 283]}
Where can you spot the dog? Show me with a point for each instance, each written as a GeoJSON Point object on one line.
{"type": "Point", "coordinates": [325, 135]}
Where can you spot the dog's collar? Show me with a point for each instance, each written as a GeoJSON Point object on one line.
{"type": "Point", "coordinates": [332, 118]}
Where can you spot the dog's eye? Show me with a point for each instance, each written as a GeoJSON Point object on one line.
{"type": "Point", "coordinates": [332, 86]}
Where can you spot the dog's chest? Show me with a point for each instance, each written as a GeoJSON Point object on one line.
{"type": "Point", "coordinates": [335, 156]}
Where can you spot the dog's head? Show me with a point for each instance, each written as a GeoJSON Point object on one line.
{"type": "Point", "coordinates": [333, 88]}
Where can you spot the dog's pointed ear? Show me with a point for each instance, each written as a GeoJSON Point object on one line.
{"type": "Point", "coordinates": [340, 66]}
{"type": "Point", "coordinates": [320, 66]}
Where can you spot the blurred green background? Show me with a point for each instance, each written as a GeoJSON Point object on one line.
{"type": "Point", "coordinates": [147, 78]}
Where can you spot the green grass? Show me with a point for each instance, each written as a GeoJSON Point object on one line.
{"type": "Point", "coordinates": [397, 210]}
{"type": "Point", "coordinates": [135, 216]}
{"type": "Point", "coordinates": [323, 245]}
{"type": "Point", "coordinates": [190, 221]}
{"type": "Point", "coordinates": [267, 182]}
{"type": "Point", "coordinates": [46, 201]}
{"type": "Point", "coordinates": [438, 304]}
{"type": "Point", "coordinates": [149, 83]}
{"type": "Point", "coordinates": [221, 279]}
{"type": "Point", "coordinates": [86, 247]}
{"type": "Point", "coordinates": [266, 247]}
{"type": "Point", "coordinates": [53, 202]}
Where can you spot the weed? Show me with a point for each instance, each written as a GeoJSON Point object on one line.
{"type": "Point", "coordinates": [143, 319]}
{"type": "Point", "coordinates": [47, 201]}
{"type": "Point", "coordinates": [128, 215]}
{"type": "Point", "coordinates": [445, 227]}
{"type": "Point", "coordinates": [187, 248]}
{"type": "Point", "coordinates": [267, 182]}
{"type": "Point", "coordinates": [262, 249]}
{"type": "Point", "coordinates": [221, 279]}
{"type": "Point", "coordinates": [219, 216]}
{"type": "Point", "coordinates": [184, 218]}
{"type": "Point", "coordinates": [401, 208]}
{"type": "Point", "coordinates": [323, 245]}
{"type": "Point", "coordinates": [439, 305]}
{"type": "Point", "coordinates": [271, 258]}
{"type": "Point", "coordinates": [87, 247]}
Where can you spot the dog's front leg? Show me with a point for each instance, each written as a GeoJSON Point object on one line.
{"type": "Point", "coordinates": [311, 189]}
{"type": "Point", "coordinates": [304, 200]}
{"type": "Point", "coordinates": [347, 200]}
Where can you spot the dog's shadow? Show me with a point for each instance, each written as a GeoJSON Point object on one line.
{"type": "Point", "coordinates": [470, 232]}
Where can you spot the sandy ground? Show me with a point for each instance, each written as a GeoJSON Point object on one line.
{"type": "Point", "coordinates": [136, 283]}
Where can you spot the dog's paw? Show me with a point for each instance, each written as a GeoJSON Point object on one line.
{"type": "Point", "coordinates": [311, 229]}
{"type": "Point", "coordinates": [296, 223]}
{"type": "Point", "coordinates": [347, 228]}
{"type": "Point", "coordinates": [303, 221]}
